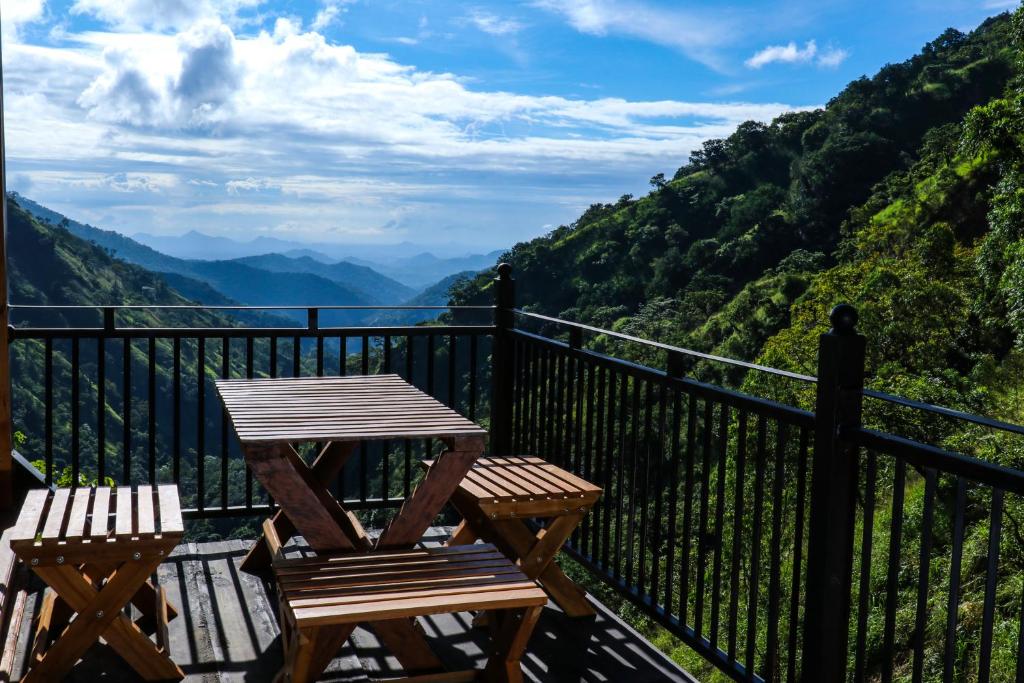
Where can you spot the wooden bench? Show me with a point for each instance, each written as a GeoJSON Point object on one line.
{"type": "Point", "coordinates": [322, 599]}
{"type": "Point", "coordinates": [498, 493]}
{"type": "Point", "coordinates": [97, 548]}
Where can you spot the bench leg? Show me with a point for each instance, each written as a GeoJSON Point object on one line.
{"type": "Point", "coordinates": [512, 635]}
{"type": "Point", "coordinates": [311, 651]}
{"type": "Point", "coordinates": [463, 535]}
{"type": "Point", "coordinates": [407, 642]}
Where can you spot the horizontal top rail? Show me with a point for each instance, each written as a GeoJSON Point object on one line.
{"type": "Point", "coordinates": [945, 412]}
{"type": "Point", "coordinates": [669, 347]}
{"type": "Point", "coordinates": [241, 307]}
{"type": "Point", "coordinates": [297, 331]}
{"type": "Point", "coordinates": [933, 457]}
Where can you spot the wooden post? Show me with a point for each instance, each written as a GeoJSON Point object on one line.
{"type": "Point", "coordinates": [6, 427]}
{"type": "Point", "coordinates": [833, 497]}
{"type": "Point", "coordinates": [502, 362]}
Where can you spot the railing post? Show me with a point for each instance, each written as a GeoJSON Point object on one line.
{"type": "Point", "coordinates": [502, 361]}
{"type": "Point", "coordinates": [833, 496]}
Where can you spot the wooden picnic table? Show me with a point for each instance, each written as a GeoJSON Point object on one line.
{"type": "Point", "coordinates": [272, 416]}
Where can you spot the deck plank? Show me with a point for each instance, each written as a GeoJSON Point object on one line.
{"type": "Point", "coordinates": [220, 636]}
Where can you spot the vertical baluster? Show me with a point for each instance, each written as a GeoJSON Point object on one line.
{"type": "Point", "coordinates": [719, 538]}
{"type": "Point", "coordinates": [737, 533]}
{"type": "Point", "coordinates": [126, 359]}
{"type": "Point", "coordinates": [365, 356]}
{"type": "Point", "coordinates": [755, 548]}
{"type": "Point", "coordinates": [609, 468]}
{"type": "Point", "coordinates": [1020, 641]}
{"type": "Point", "coordinates": [429, 444]}
{"type": "Point", "coordinates": [176, 411]}
{"type": "Point", "coordinates": [989, 607]}
{"type": "Point", "coordinates": [599, 466]}
{"type": "Point", "coordinates": [684, 570]}
{"type": "Point", "coordinates": [151, 406]}
{"type": "Point", "coordinates": [798, 541]}
{"type": "Point", "coordinates": [953, 606]}
{"type": "Point", "coordinates": [342, 356]}
{"type": "Point", "coordinates": [76, 385]}
{"type": "Point", "coordinates": [407, 475]}
{"type": "Point", "coordinates": [225, 373]}
{"type": "Point", "coordinates": [201, 423]}
{"type": "Point", "coordinates": [922, 579]}
{"type": "Point", "coordinates": [385, 446]}
{"type": "Point", "coordinates": [319, 355]}
{"type": "Point", "coordinates": [892, 580]}
{"type": "Point", "coordinates": [645, 483]}
{"type": "Point", "coordinates": [101, 409]}
{"type": "Point", "coordinates": [620, 468]}
{"type": "Point", "coordinates": [537, 393]}
{"type": "Point", "coordinates": [702, 522]}
{"type": "Point", "coordinates": [48, 409]}
{"type": "Point", "coordinates": [473, 351]}
{"type": "Point", "coordinates": [296, 356]}
{"type": "Point", "coordinates": [587, 445]}
{"type": "Point", "coordinates": [250, 343]}
{"type": "Point", "coordinates": [771, 666]}
{"type": "Point", "coordinates": [452, 359]}
{"type": "Point", "coordinates": [273, 356]}
{"type": "Point", "coordinates": [673, 502]}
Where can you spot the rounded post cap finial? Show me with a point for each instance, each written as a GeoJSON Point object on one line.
{"type": "Point", "coordinates": [844, 319]}
{"type": "Point", "coordinates": [504, 270]}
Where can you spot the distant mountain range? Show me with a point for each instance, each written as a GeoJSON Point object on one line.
{"type": "Point", "coordinates": [413, 265]}
{"type": "Point", "coordinates": [302, 276]}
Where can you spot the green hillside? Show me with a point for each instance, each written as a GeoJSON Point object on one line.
{"type": "Point", "coordinates": [234, 280]}
{"type": "Point", "coordinates": [904, 197]}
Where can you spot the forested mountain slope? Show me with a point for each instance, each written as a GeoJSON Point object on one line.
{"type": "Point", "coordinates": [714, 257]}
{"type": "Point", "coordinates": [904, 197]}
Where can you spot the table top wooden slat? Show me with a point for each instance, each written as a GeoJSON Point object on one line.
{"type": "Point", "coordinates": [351, 408]}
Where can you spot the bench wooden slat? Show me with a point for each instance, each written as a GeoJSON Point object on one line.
{"type": "Point", "coordinates": [170, 510]}
{"type": "Point", "coordinates": [123, 519]}
{"type": "Point", "coordinates": [30, 516]}
{"type": "Point", "coordinates": [144, 511]}
{"type": "Point", "coordinates": [79, 510]}
{"type": "Point", "coordinates": [100, 525]}
{"type": "Point", "coordinates": [418, 606]}
{"type": "Point", "coordinates": [55, 517]}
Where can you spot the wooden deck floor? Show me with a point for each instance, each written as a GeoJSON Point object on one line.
{"type": "Point", "coordinates": [227, 631]}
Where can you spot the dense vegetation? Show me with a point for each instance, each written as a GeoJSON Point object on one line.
{"type": "Point", "coordinates": [904, 196]}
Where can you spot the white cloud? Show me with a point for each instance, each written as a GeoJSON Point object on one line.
{"type": "Point", "coordinates": [832, 57]}
{"type": "Point", "coordinates": [787, 54]}
{"type": "Point", "coordinates": [285, 127]}
{"type": "Point", "coordinates": [329, 14]}
{"type": "Point", "coordinates": [791, 54]}
{"type": "Point", "coordinates": [698, 35]}
{"type": "Point", "coordinates": [159, 15]}
{"type": "Point", "coordinates": [17, 13]}
{"type": "Point", "coordinates": [492, 24]}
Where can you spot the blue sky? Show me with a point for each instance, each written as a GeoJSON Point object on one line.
{"type": "Point", "coordinates": [463, 125]}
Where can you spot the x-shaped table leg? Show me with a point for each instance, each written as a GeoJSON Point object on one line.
{"type": "Point", "coordinates": [310, 509]}
{"type": "Point", "coordinates": [100, 614]}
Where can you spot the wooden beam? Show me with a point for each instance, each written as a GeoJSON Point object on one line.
{"type": "Point", "coordinates": [6, 428]}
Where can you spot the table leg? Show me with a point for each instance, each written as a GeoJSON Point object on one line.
{"type": "Point", "coordinates": [304, 500]}
{"type": "Point", "coordinates": [423, 505]}
{"type": "Point", "coordinates": [328, 464]}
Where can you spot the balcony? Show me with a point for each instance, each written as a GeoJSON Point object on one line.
{"type": "Point", "coordinates": [771, 541]}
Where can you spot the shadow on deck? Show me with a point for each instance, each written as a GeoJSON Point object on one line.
{"type": "Point", "coordinates": [227, 631]}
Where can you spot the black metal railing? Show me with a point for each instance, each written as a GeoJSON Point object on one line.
{"type": "Point", "coordinates": [780, 543]}
{"type": "Point", "coordinates": [137, 404]}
